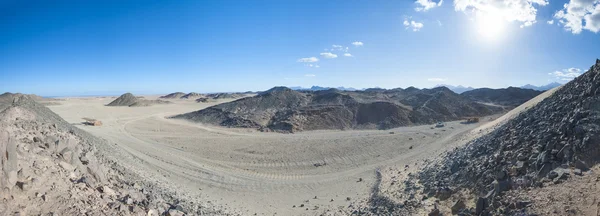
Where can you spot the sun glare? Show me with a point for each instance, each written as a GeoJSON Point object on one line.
{"type": "Point", "coordinates": [490, 26]}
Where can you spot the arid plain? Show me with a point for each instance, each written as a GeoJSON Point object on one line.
{"type": "Point", "coordinates": [246, 171]}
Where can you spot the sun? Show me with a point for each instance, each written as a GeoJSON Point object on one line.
{"type": "Point", "coordinates": [490, 26]}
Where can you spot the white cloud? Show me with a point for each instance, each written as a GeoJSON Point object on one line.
{"type": "Point", "coordinates": [425, 5]}
{"type": "Point", "coordinates": [310, 75]}
{"type": "Point", "coordinates": [521, 11]}
{"type": "Point", "coordinates": [338, 48]}
{"type": "Point", "coordinates": [347, 54]}
{"type": "Point", "coordinates": [578, 15]}
{"type": "Point", "coordinates": [439, 22]}
{"type": "Point", "coordinates": [415, 26]}
{"type": "Point", "coordinates": [357, 43]}
{"type": "Point", "coordinates": [550, 22]}
{"type": "Point", "coordinates": [313, 65]}
{"type": "Point", "coordinates": [574, 70]}
{"type": "Point", "coordinates": [309, 59]}
{"type": "Point", "coordinates": [436, 79]}
{"type": "Point", "coordinates": [328, 55]}
{"type": "Point", "coordinates": [566, 74]}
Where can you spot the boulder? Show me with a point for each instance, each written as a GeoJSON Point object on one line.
{"type": "Point", "coordinates": [175, 212]}
{"type": "Point", "coordinates": [457, 207]}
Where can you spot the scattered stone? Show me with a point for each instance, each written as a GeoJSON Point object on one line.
{"type": "Point", "coordinates": [458, 205]}
{"type": "Point", "coordinates": [66, 166]}
{"type": "Point", "coordinates": [175, 212]}
{"type": "Point", "coordinates": [528, 150]}
{"type": "Point", "coordinates": [434, 212]}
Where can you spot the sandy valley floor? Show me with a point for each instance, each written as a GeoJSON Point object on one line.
{"type": "Point", "coordinates": [249, 172]}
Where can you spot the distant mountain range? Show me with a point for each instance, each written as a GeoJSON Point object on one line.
{"type": "Point", "coordinates": [457, 89]}
{"type": "Point", "coordinates": [541, 88]}
{"type": "Point", "coordinates": [460, 89]}
{"type": "Point", "coordinates": [319, 88]}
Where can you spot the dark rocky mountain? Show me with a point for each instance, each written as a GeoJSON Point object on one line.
{"type": "Point", "coordinates": [457, 89]}
{"type": "Point", "coordinates": [130, 100]}
{"type": "Point", "coordinates": [286, 110]}
{"type": "Point", "coordinates": [175, 95]}
{"type": "Point", "coordinates": [510, 96]}
{"type": "Point", "coordinates": [226, 95]}
{"type": "Point", "coordinates": [541, 88]}
{"type": "Point", "coordinates": [126, 99]}
{"type": "Point", "coordinates": [319, 88]}
{"type": "Point", "coordinates": [192, 95]}
{"type": "Point", "coordinates": [546, 144]}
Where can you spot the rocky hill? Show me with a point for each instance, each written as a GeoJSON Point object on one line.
{"type": "Point", "coordinates": [286, 110]}
{"type": "Point", "coordinates": [192, 95]}
{"type": "Point", "coordinates": [201, 98]}
{"type": "Point", "coordinates": [458, 89]}
{"type": "Point", "coordinates": [130, 100]}
{"type": "Point", "coordinates": [510, 96]}
{"type": "Point", "coordinates": [7, 98]}
{"type": "Point", "coordinates": [545, 145]}
{"type": "Point", "coordinates": [175, 95]}
{"type": "Point", "coordinates": [225, 95]}
{"type": "Point", "coordinates": [47, 165]}
{"type": "Point", "coordinates": [216, 96]}
{"type": "Point", "coordinates": [126, 99]}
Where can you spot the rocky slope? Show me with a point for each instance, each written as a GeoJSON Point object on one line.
{"type": "Point", "coordinates": [175, 95]}
{"type": "Point", "coordinates": [216, 96]}
{"type": "Point", "coordinates": [126, 99]}
{"type": "Point", "coordinates": [192, 95]}
{"type": "Point", "coordinates": [7, 98]}
{"type": "Point", "coordinates": [130, 100]}
{"type": "Point", "coordinates": [545, 145]}
{"type": "Point", "coordinates": [286, 110]}
{"type": "Point", "coordinates": [510, 96]}
{"type": "Point", "coordinates": [49, 166]}
{"type": "Point", "coordinates": [202, 98]}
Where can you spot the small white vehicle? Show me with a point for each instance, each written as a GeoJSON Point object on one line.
{"type": "Point", "coordinates": [439, 124]}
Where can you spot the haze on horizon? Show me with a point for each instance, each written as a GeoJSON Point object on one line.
{"type": "Point", "coordinates": [63, 48]}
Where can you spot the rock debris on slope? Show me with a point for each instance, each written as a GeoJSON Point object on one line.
{"type": "Point", "coordinates": [49, 166]}
{"type": "Point", "coordinates": [547, 144]}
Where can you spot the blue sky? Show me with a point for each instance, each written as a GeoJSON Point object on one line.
{"type": "Point", "coordinates": [57, 48]}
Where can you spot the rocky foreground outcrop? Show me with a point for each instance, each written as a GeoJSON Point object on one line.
{"type": "Point", "coordinates": [48, 166]}
{"type": "Point", "coordinates": [555, 140]}
{"type": "Point", "coordinates": [7, 98]}
{"type": "Point", "coordinates": [130, 100]}
{"type": "Point", "coordinates": [285, 110]}
{"type": "Point", "coordinates": [511, 96]}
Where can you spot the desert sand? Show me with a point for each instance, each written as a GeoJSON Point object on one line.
{"type": "Point", "coordinates": [245, 171]}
